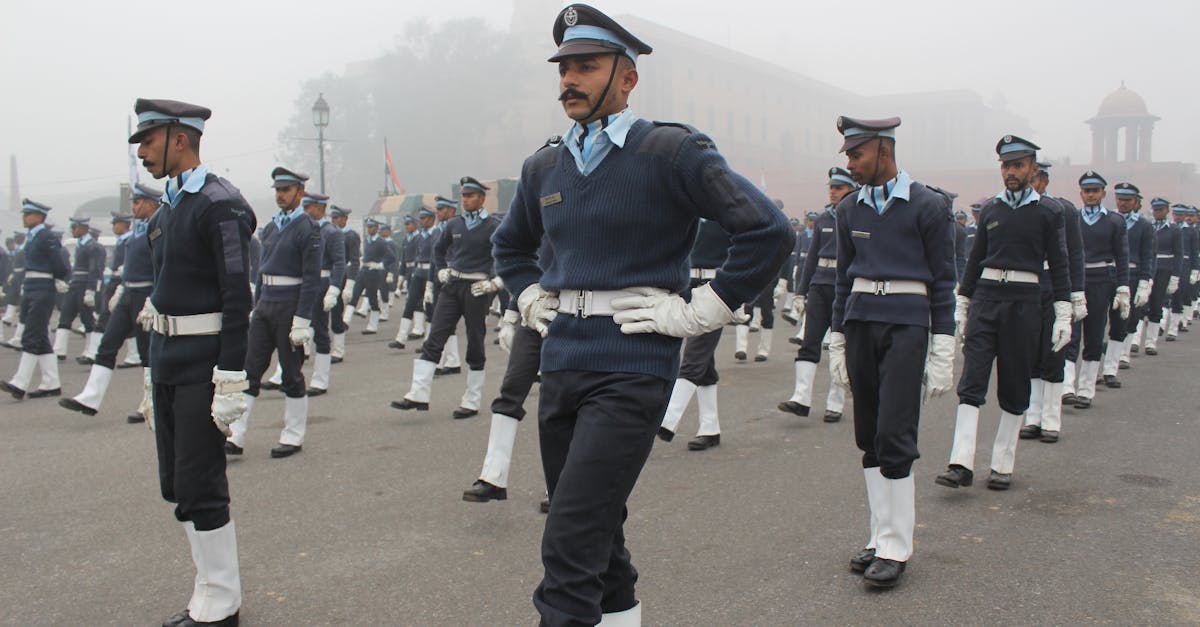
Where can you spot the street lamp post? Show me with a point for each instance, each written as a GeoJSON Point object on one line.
{"type": "Point", "coordinates": [320, 111]}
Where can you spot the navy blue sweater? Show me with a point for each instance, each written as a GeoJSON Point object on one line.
{"type": "Point", "coordinates": [200, 249]}
{"type": "Point", "coordinates": [822, 246]}
{"type": "Point", "coordinates": [353, 253]}
{"type": "Point", "coordinates": [1106, 241]}
{"type": "Point", "coordinates": [89, 265]}
{"type": "Point", "coordinates": [466, 250]}
{"type": "Point", "coordinates": [1143, 247]}
{"type": "Point", "coordinates": [333, 254]}
{"type": "Point", "coordinates": [43, 253]}
{"type": "Point", "coordinates": [378, 250]}
{"type": "Point", "coordinates": [118, 258]}
{"type": "Point", "coordinates": [632, 222]}
{"type": "Point", "coordinates": [294, 251]}
{"type": "Point", "coordinates": [138, 266]}
{"type": "Point", "coordinates": [1025, 239]}
{"type": "Point", "coordinates": [1169, 241]}
{"type": "Point", "coordinates": [711, 247]}
{"type": "Point", "coordinates": [1073, 234]}
{"type": "Point", "coordinates": [913, 240]}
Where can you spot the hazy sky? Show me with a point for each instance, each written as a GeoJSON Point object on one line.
{"type": "Point", "coordinates": [72, 69]}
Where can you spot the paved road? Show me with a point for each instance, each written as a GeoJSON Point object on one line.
{"type": "Point", "coordinates": [366, 526]}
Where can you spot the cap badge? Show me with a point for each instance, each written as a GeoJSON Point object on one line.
{"type": "Point", "coordinates": [1008, 139]}
{"type": "Point", "coordinates": [839, 122]}
{"type": "Point", "coordinates": [571, 16]}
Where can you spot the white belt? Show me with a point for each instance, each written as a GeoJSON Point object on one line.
{"type": "Point", "coordinates": [373, 265]}
{"type": "Point", "coordinates": [196, 324]}
{"type": "Point", "coordinates": [704, 273]}
{"type": "Point", "coordinates": [1099, 264]}
{"type": "Point", "coordinates": [1166, 256]}
{"type": "Point", "coordinates": [825, 262]}
{"type": "Point", "coordinates": [81, 273]}
{"type": "Point", "coordinates": [421, 266]}
{"type": "Point", "coordinates": [325, 274]}
{"type": "Point", "coordinates": [133, 285]}
{"type": "Point", "coordinates": [883, 288]}
{"type": "Point", "coordinates": [280, 280]}
{"type": "Point", "coordinates": [21, 269]}
{"type": "Point", "coordinates": [1009, 276]}
{"type": "Point", "coordinates": [468, 276]}
{"type": "Point", "coordinates": [34, 274]}
{"type": "Point", "coordinates": [587, 303]}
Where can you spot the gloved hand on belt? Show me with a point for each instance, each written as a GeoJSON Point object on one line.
{"type": "Point", "coordinates": [487, 286]}
{"type": "Point", "coordinates": [538, 308]}
{"type": "Point", "coordinates": [655, 310]}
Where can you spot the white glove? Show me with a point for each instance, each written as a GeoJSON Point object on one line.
{"type": "Point", "coordinates": [301, 331]}
{"type": "Point", "coordinates": [1060, 332]}
{"type": "Point", "coordinates": [1142, 296]}
{"type": "Point", "coordinates": [331, 298]}
{"type": "Point", "coordinates": [348, 291]}
{"type": "Point", "coordinates": [400, 283]}
{"type": "Point", "coordinates": [62, 286]}
{"type": "Point", "coordinates": [508, 329]}
{"type": "Point", "coordinates": [116, 297]}
{"type": "Point", "coordinates": [1121, 301]}
{"type": "Point", "coordinates": [147, 315]}
{"type": "Point", "coordinates": [1078, 306]}
{"type": "Point", "coordinates": [146, 407]}
{"type": "Point", "coordinates": [253, 291]}
{"type": "Point", "coordinates": [837, 360]}
{"type": "Point", "coordinates": [798, 304]}
{"type": "Point", "coordinates": [1173, 286]}
{"type": "Point", "coordinates": [1194, 276]}
{"type": "Point", "coordinates": [939, 365]}
{"type": "Point", "coordinates": [780, 289]}
{"type": "Point", "coordinates": [89, 298]}
{"type": "Point", "coordinates": [655, 310]}
{"type": "Point", "coordinates": [228, 402]}
{"type": "Point", "coordinates": [428, 297]}
{"type": "Point", "coordinates": [443, 275]}
{"type": "Point", "coordinates": [486, 286]}
{"type": "Point", "coordinates": [538, 308]}
{"type": "Point", "coordinates": [961, 305]}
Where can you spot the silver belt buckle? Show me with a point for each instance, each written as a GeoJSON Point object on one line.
{"type": "Point", "coordinates": [1004, 276]}
{"type": "Point", "coordinates": [881, 288]}
{"type": "Point", "coordinates": [582, 300]}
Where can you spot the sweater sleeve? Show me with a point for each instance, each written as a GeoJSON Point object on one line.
{"type": "Point", "coordinates": [845, 255]}
{"type": "Point", "coordinates": [938, 238]}
{"type": "Point", "coordinates": [1055, 244]}
{"type": "Point", "coordinates": [310, 271]}
{"type": "Point", "coordinates": [1149, 251]}
{"type": "Point", "coordinates": [810, 262]}
{"type": "Point", "coordinates": [970, 277]}
{"type": "Point", "coordinates": [226, 232]}
{"type": "Point", "coordinates": [515, 243]}
{"type": "Point", "coordinates": [1074, 235]}
{"type": "Point", "coordinates": [1120, 244]}
{"type": "Point", "coordinates": [1177, 250]}
{"type": "Point", "coordinates": [337, 273]}
{"type": "Point", "coordinates": [759, 234]}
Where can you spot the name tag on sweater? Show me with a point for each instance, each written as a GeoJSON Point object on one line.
{"type": "Point", "coordinates": [155, 234]}
{"type": "Point", "coordinates": [860, 234]}
{"type": "Point", "coordinates": [992, 225]}
{"type": "Point", "coordinates": [826, 230]}
{"type": "Point", "coordinates": [552, 199]}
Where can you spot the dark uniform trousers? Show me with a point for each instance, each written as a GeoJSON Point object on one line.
{"type": "Point", "coordinates": [886, 365]}
{"type": "Point", "coordinates": [36, 307]}
{"type": "Point", "coordinates": [524, 360]}
{"type": "Point", "coordinates": [369, 281]}
{"type": "Point", "coordinates": [818, 315]}
{"type": "Point", "coordinates": [1181, 296]}
{"type": "Point", "coordinates": [596, 430]}
{"type": "Point", "coordinates": [1100, 287]}
{"type": "Point", "coordinates": [336, 325]}
{"type": "Point", "coordinates": [1047, 364]}
{"type": "Point", "coordinates": [699, 364]}
{"type": "Point", "coordinates": [191, 455]}
{"type": "Point", "coordinates": [766, 303]}
{"type": "Point", "coordinates": [415, 299]}
{"type": "Point", "coordinates": [320, 320]}
{"type": "Point", "coordinates": [73, 306]}
{"type": "Point", "coordinates": [105, 295]}
{"type": "Point", "coordinates": [270, 323]}
{"type": "Point", "coordinates": [122, 323]}
{"type": "Point", "coordinates": [1135, 313]}
{"type": "Point", "coordinates": [454, 302]}
{"type": "Point", "coordinates": [1158, 295]}
{"type": "Point", "coordinates": [1008, 332]}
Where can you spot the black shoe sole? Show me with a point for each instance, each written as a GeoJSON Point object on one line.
{"type": "Point", "coordinates": [461, 415]}
{"type": "Point", "coordinates": [410, 406]}
{"type": "Point", "coordinates": [475, 498]}
{"type": "Point", "coordinates": [316, 392]}
{"type": "Point", "coordinates": [792, 407]}
{"type": "Point", "coordinates": [135, 419]}
{"type": "Point", "coordinates": [833, 416]}
{"type": "Point", "coordinates": [665, 434]}
{"type": "Point", "coordinates": [940, 480]}
{"type": "Point", "coordinates": [882, 584]}
{"type": "Point", "coordinates": [74, 405]}
{"type": "Point", "coordinates": [285, 453]}
{"type": "Point", "coordinates": [44, 393]}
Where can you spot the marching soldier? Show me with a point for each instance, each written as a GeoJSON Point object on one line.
{"type": "Point", "coordinates": [814, 302]}
{"type": "Point", "coordinates": [339, 316]}
{"type": "Point", "coordinates": [447, 209]}
{"type": "Point", "coordinates": [1142, 256]}
{"type": "Point", "coordinates": [199, 307]}
{"type": "Point", "coordinates": [610, 356]}
{"type": "Point", "coordinates": [392, 268]}
{"type": "Point", "coordinates": [465, 270]}
{"type": "Point", "coordinates": [698, 371]}
{"type": "Point", "coordinates": [80, 299]}
{"type": "Point", "coordinates": [1181, 303]}
{"type": "Point", "coordinates": [998, 311]}
{"type": "Point", "coordinates": [893, 329]}
{"type": "Point", "coordinates": [45, 274]}
{"type": "Point", "coordinates": [289, 282]}
{"type": "Point", "coordinates": [121, 224]}
{"type": "Point", "coordinates": [12, 293]}
{"type": "Point", "coordinates": [1106, 282]}
{"type": "Point", "coordinates": [333, 272]}
{"type": "Point", "coordinates": [960, 243]}
{"type": "Point", "coordinates": [134, 284]}
{"type": "Point", "coordinates": [1169, 272]}
{"type": "Point", "coordinates": [421, 245]}
{"type": "Point", "coordinates": [377, 256]}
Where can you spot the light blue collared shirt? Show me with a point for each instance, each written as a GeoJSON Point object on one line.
{"type": "Point", "coordinates": [880, 197]}
{"type": "Point", "coordinates": [591, 144]}
{"type": "Point", "coordinates": [282, 219]}
{"type": "Point", "coordinates": [1131, 219]}
{"type": "Point", "coordinates": [1091, 215]}
{"type": "Point", "coordinates": [84, 240]}
{"type": "Point", "coordinates": [128, 234]}
{"type": "Point", "coordinates": [1016, 200]}
{"type": "Point", "coordinates": [32, 234]}
{"type": "Point", "coordinates": [478, 218]}
{"type": "Point", "coordinates": [192, 179]}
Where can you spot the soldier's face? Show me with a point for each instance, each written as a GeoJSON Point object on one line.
{"type": "Point", "coordinates": [837, 193]}
{"type": "Point", "coordinates": [1126, 204]}
{"type": "Point", "coordinates": [120, 228]}
{"type": "Point", "coordinates": [150, 152]}
{"type": "Point", "coordinates": [963, 220]}
{"type": "Point", "coordinates": [581, 80]}
{"type": "Point", "coordinates": [1016, 173]}
{"type": "Point", "coordinates": [1178, 218]}
{"type": "Point", "coordinates": [78, 231]}
{"type": "Point", "coordinates": [372, 230]}
{"type": "Point", "coordinates": [1040, 182]}
{"type": "Point", "coordinates": [426, 221]}
{"type": "Point", "coordinates": [863, 161]}
{"type": "Point", "coordinates": [143, 208]}
{"type": "Point", "coordinates": [1091, 196]}
{"type": "Point", "coordinates": [410, 227]}
{"type": "Point", "coordinates": [288, 197]}
{"type": "Point", "coordinates": [444, 213]}
{"type": "Point", "coordinates": [1160, 213]}
{"type": "Point", "coordinates": [472, 201]}
{"type": "Point", "coordinates": [315, 210]}
{"type": "Point", "coordinates": [31, 219]}
{"type": "Point", "coordinates": [339, 221]}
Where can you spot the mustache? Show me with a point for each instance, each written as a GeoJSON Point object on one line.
{"type": "Point", "coordinates": [571, 93]}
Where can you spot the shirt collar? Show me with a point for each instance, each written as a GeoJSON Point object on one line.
{"type": "Point", "coordinates": [83, 241]}
{"type": "Point", "coordinates": [1018, 199]}
{"type": "Point", "coordinates": [617, 128]}
{"type": "Point", "coordinates": [290, 215]}
{"type": "Point", "coordinates": [34, 231]}
{"type": "Point", "coordinates": [899, 187]}
{"type": "Point", "coordinates": [124, 236]}
{"type": "Point", "coordinates": [192, 179]}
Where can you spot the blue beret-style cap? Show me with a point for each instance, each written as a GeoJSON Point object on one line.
{"type": "Point", "coordinates": [340, 211]}
{"type": "Point", "coordinates": [1128, 190]}
{"type": "Point", "coordinates": [283, 177]}
{"type": "Point", "coordinates": [1160, 202]}
{"type": "Point", "coordinates": [841, 176]}
{"type": "Point", "coordinates": [794, 221]}
{"type": "Point", "coordinates": [155, 113]}
{"type": "Point", "coordinates": [80, 221]}
{"type": "Point", "coordinates": [442, 201]}
{"type": "Point", "coordinates": [117, 216]}
{"type": "Point", "coordinates": [1011, 148]}
{"type": "Point", "coordinates": [812, 215]}
{"type": "Point", "coordinates": [313, 198]}
{"type": "Point", "coordinates": [145, 191]}
{"type": "Point", "coordinates": [410, 220]}
{"type": "Point", "coordinates": [960, 214]}
{"type": "Point", "coordinates": [426, 212]}
{"type": "Point", "coordinates": [858, 132]}
{"type": "Point", "coordinates": [583, 30]}
{"type": "Point", "coordinates": [470, 184]}
{"type": "Point", "coordinates": [28, 206]}
{"type": "Point", "coordinates": [1091, 179]}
